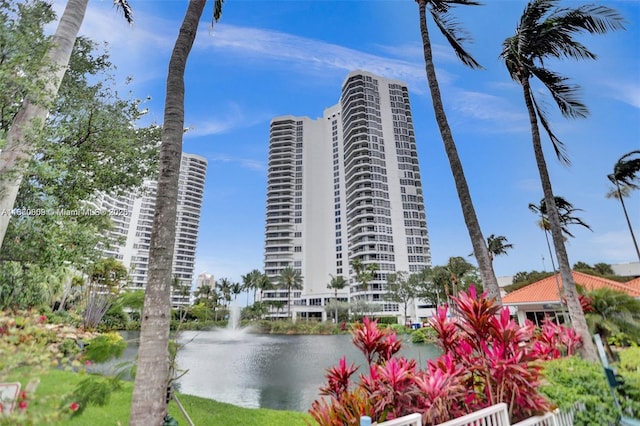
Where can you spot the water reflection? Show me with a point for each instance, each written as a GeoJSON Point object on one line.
{"type": "Point", "coordinates": [279, 372]}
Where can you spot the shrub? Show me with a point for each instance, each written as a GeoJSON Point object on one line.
{"type": "Point", "coordinates": [568, 380]}
{"type": "Point", "coordinates": [487, 359]}
{"type": "Point", "coordinates": [424, 335]}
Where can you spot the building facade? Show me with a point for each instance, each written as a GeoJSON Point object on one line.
{"type": "Point", "coordinates": [343, 187]}
{"type": "Point", "coordinates": [132, 228]}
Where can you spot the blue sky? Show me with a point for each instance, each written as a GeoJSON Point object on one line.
{"type": "Point", "coordinates": [270, 58]}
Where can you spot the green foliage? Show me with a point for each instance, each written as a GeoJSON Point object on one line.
{"type": "Point", "coordinates": [387, 320]}
{"type": "Point", "coordinates": [104, 347]}
{"type": "Point", "coordinates": [114, 319]}
{"type": "Point", "coordinates": [424, 335]}
{"type": "Point", "coordinates": [93, 390]}
{"type": "Point", "coordinates": [570, 380]}
{"type": "Point", "coordinates": [23, 46]}
{"type": "Point", "coordinates": [523, 279]}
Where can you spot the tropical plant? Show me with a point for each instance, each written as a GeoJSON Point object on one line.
{"type": "Point", "coordinates": [626, 173]}
{"type": "Point", "coordinates": [440, 12]}
{"type": "Point", "coordinates": [488, 358]}
{"type": "Point", "coordinates": [497, 245]}
{"type": "Point", "coordinates": [565, 213]}
{"type": "Point", "coordinates": [546, 31]}
{"type": "Point", "coordinates": [613, 312]}
{"type": "Point", "coordinates": [149, 405]}
{"type": "Point", "coordinates": [290, 279]}
{"type": "Point", "coordinates": [251, 281]}
{"type": "Point", "coordinates": [365, 273]}
{"type": "Point", "coordinates": [337, 283]}
{"type": "Point", "coordinates": [34, 110]}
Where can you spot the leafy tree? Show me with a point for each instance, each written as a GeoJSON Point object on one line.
{"type": "Point", "coordinates": [337, 283]}
{"type": "Point", "coordinates": [440, 12]}
{"type": "Point", "coordinates": [461, 275]}
{"type": "Point", "coordinates": [148, 404]}
{"type": "Point", "coordinates": [401, 289]}
{"type": "Point", "coordinates": [133, 300]}
{"type": "Point", "coordinates": [548, 32]}
{"type": "Point", "coordinates": [626, 174]}
{"type": "Point", "coordinates": [291, 280]}
{"type": "Point", "coordinates": [89, 126]}
{"type": "Point", "coordinates": [432, 284]}
{"type": "Point", "coordinates": [224, 286]}
{"type": "Point", "coordinates": [523, 279]}
{"type": "Point", "coordinates": [35, 106]}
{"type": "Point", "coordinates": [24, 45]}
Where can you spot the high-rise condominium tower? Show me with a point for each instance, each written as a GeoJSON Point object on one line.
{"type": "Point", "coordinates": [344, 187]}
{"type": "Point", "coordinates": [134, 227]}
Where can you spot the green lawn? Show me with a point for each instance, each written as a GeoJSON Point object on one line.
{"type": "Point", "coordinates": [203, 412]}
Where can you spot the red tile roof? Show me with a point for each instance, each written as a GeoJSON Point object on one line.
{"type": "Point", "coordinates": [546, 290]}
{"type": "Point", "coordinates": [635, 283]}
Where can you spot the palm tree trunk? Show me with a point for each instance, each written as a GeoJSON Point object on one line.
{"type": "Point", "coordinates": [18, 149]}
{"type": "Point", "coordinates": [336, 295]}
{"type": "Point", "coordinates": [576, 314]}
{"type": "Point", "coordinates": [626, 215]}
{"type": "Point", "coordinates": [148, 405]}
{"type": "Point", "coordinates": [480, 250]}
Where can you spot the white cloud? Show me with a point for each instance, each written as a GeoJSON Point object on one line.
{"type": "Point", "coordinates": [246, 163]}
{"type": "Point", "coordinates": [232, 117]}
{"type": "Point", "coordinates": [312, 54]}
{"type": "Point", "coordinates": [614, 246]}
{"type": "Point", "coordinates": [627, 92]}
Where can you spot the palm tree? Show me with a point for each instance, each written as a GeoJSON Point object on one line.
{"type": "Point", "coordinates": [497, 245]}
{"type": "Point", "coordinates": [626, 172]}
{"type": "Point", "coordinates": [565, 212]}
{"type": "Point", "coordinates": [548, 32]}
{"type": "Point", "coordinates": [250, 281]}
{"type": "Point", "coordinates": [225, 286]}
{"type": "Point", "coordinates": [337, 283]}
{"type": "Point", "coordinates": [613, 312]}
{"type": "Point", "coordinates": [439, 10]}
{"type": "Point", "coordinates": [364, 273]}
{"type": "Point", "coordinates": [16, 153]}
{"type": "Point", "coordinates": [291, 280]}
{"type": "Point", "coordinates": [149, 405]}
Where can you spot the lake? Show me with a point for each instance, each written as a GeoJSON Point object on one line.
{"type": "Point", "coordinates": [268, 371]}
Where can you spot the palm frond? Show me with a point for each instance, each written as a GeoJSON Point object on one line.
{"type": "Point", "coordinates": [627, 170]}
{"type": "Point", "coordinates": [558, 146]}
{"type": "Point", "coordinates": [217, 11]}
{"type": "Point", "coordinates": [455, 35]}
{"type": "Point", "coordinates": [126, 9]}
{"type": "Point", "coordinates": [565, 95]}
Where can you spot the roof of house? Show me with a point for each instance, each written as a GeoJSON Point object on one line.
{"type": "Point", "coordinates": [635, 283]}
{"type": "Point", "coordinates": [546, 290]}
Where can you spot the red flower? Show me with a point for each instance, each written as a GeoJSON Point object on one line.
{"type": "Point", "coordinates": [74, 406]}
{"type": "Point", "coordinates": [42, 318]}
{"type": "Point", "coordinates": [22, 405]}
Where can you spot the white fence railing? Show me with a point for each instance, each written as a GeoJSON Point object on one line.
{"type": "Point", "coordinates": [496, 415]}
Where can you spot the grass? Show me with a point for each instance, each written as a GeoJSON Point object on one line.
{"type": "Point", "coordinates": [202, 411]}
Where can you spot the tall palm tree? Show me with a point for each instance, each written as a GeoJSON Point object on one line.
{"type": "Point", "coordinates": [250, 281]}
{"type": "Point", "coordinates": [626, 172]}
{"type": "Point", "coordinates": [291, 280]}
{"type": "Point", "coordinates": [439, 10]}
{"type": "Point", "coordinates": [18, 148]}
{"type": "Point", "coordinates": [337, 283]}
{"type": "Point", "coordinates": [546, 31]}
{"type": "Point", "coordinates": [497, 245]}
{"type": "Point", "coordinates": [365, 273]}
{"type": "Point", "coordinates": [149, 405]}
